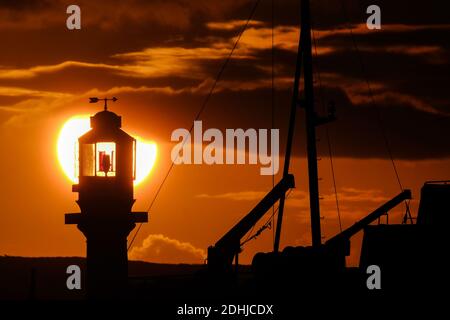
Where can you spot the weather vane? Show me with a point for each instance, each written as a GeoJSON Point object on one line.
{"type": "Point", "coordinates": [95, 100]}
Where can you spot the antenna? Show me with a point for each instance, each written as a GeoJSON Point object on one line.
{"type": "Point", "coordinates": [95, 100]}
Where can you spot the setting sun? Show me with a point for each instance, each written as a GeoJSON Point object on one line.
{"type": "Point", "coordinates": [75, 127]}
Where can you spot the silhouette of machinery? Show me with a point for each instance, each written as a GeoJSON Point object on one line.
{"type": "Point", "coordinates": [412, 256]}
{"type": "Point", "coordinates": [400, 250]}
{"type": "Point", "coordinates": [107, 167]}
{"type": "Point", "coordinates": [220, 255]}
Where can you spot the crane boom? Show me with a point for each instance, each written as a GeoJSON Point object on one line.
{"type": "Point", "coordinates": [220, 256]}
{"type": "Point", "coordinates": [349, 232]}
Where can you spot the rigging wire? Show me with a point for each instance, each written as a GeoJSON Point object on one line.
{"type": "Point", "coordinates": [327, 134]}
{"type": "Point", "coordinates": [273, 105]}
{"type": "Point", "coordinates": [369, 90]}
{"type": "Point", "coordinates": [378, 113]}
{"type": "Point", "coordinates": [267, 224]}
{"type": "Point", "coordinates": [334, 179]}
{"type": "Point", "coordinates": [205, 102]}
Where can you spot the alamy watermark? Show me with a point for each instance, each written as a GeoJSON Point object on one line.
{"type": "Point", "coordinates": [374, 20]}
{"type": "Point", "coordinates": [250, 144]}
{"type": "Point", "coordinates": [74, 279]}
{"type": "Point", "coordinates": [73, 21]}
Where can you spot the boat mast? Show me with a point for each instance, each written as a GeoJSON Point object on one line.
{"type": "Point", "coordinates": [310, 122]}
{"type": "Point", "coordinates": [304, 56]}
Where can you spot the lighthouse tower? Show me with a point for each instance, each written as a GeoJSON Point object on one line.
{"type": "Point", "coordinates": [106, 165]}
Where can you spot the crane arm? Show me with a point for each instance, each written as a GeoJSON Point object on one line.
{"type": "Point", "coordinates": [221, 254]}
{"type": "Point", "coordinates": [349, 232]}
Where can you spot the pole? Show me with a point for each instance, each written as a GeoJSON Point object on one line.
{"type": "Point", "coordinates": [304, 55]}
{"type": "Point", "coordinates": [310, 122]}
{"type": "Point", "coordinates": [287, 157]}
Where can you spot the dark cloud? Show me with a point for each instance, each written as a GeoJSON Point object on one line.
{"type": "Point", "coordinates": [358, 132]}
{"type": "Point", "coordinates": [24, 5]}
{"type": "Point", "coordinates": [163, 66]}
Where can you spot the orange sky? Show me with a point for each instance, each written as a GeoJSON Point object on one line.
{"type": "Point", "coordinates": [159, 59]}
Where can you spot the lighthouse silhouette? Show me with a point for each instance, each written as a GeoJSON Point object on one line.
{"type": "Point", "coordinates": [106, 165]}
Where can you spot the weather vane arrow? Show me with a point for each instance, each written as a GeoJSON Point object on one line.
{"type": "Point", "coordinates": [95, 100]}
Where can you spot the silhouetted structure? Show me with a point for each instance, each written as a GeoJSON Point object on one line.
{"type": "Point", "coordinates": [107, 165]}
{"type": "Point", "coordinates": [220, 256]}
{"type": "Point", "coordinates": [412, 256]}
{"type": "Point", "coordinates": [395, 248]}
{"type": "Point", "coordinates": [408, 255]}
{"type": "Point", "coordinates": [229, 245]}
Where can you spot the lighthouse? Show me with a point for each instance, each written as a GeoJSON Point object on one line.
{"type": "Point", "coordinates": [106, 167]}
